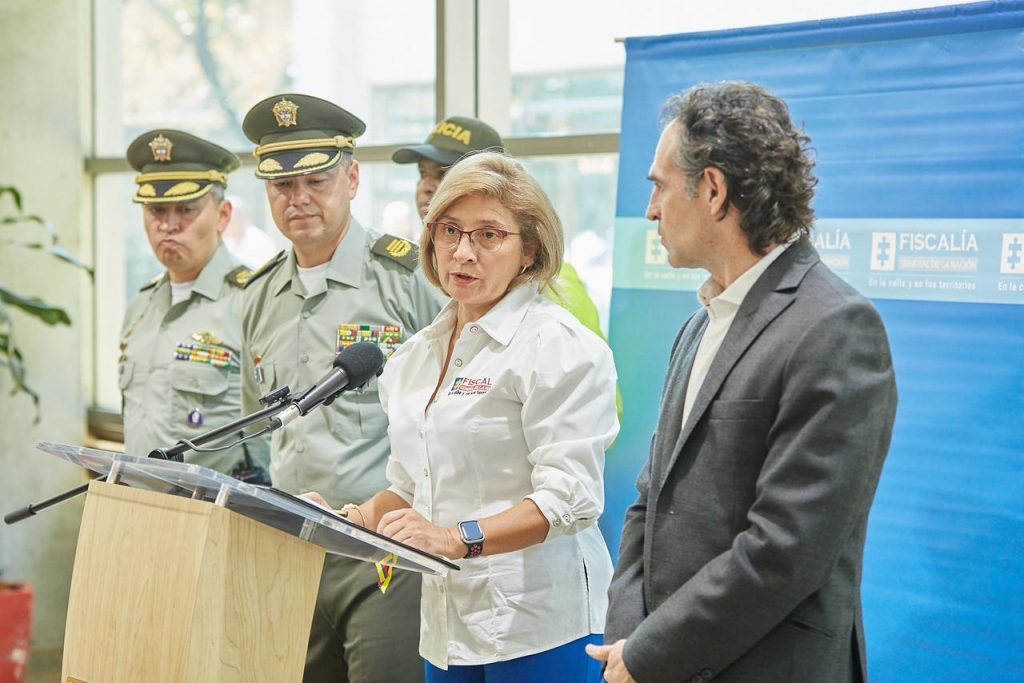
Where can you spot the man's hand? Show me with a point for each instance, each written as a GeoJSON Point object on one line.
{"type": "Point", "coordinates": [615, 668]}
{"type": "Point", "coordinates": [412, 528]}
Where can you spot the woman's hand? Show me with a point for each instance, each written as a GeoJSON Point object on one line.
{"type": "Point", "coordinates": [410, 527]}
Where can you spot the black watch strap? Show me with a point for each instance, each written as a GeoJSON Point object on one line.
{"type": "Point", "coordinates": [473, 536]}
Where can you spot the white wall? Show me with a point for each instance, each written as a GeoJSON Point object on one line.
{"type": "Point", "coordinates": [43, 126]}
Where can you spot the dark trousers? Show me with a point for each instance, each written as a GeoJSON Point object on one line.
{"type": "Point", "coordinates": [360, 635]}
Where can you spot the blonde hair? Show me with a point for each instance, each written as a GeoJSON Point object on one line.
{"type": "Point", "coordinates": [495, 175]}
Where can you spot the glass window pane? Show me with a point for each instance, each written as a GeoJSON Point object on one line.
{"type": "Point", "coordinates": [387, 199]}
{"type": "Point", "coordinates": [582, 189]}
{"type": "Point", "coordinates": [569, 81]}
{"type": "Point", "coordinates": [200, 66]}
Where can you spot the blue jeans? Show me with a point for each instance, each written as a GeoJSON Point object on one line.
{"type": "Point", "coordinates": [567, 663]}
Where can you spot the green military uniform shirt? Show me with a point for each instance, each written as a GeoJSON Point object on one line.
{"type": "Point", "coordinates": [291, 339]}
{"type": "Point", "coordinates": [180, 365]}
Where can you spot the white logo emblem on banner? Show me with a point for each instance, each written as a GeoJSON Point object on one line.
{"type": "Point", "coordinates": [1012, 260]}
{"type": "Point", "coordinates": [883, 251]}
{"type": "Point", "coordinates": [654, 253]}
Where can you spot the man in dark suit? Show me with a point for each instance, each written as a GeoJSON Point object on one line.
{"type": "Point", "coordinates": [741, 560]}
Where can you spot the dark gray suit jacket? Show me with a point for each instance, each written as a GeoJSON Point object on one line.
{"type": "Point", "coordinates": [741, 559]}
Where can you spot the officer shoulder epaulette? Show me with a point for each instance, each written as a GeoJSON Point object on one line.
{"type": "Point", "coordinates": [397, 249]}
{"type": "Point", "coordinates": [265, 268]}
{"type": "Point", "coordinates": [239, 276]}
{"type": "Point", "coordinates": [152, 283]}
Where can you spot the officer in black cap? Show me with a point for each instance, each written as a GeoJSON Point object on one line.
{"type": "Point", "coordinates": [451, 139]}
{"type": "Point", "coordinates": [181, 342]}
{"type": "Point", "coordinates": [338, 284]}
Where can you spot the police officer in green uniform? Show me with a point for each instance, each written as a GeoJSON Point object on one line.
{"type": "Point", "coordinates": [181, 342]}
{"type": "Point", "coordinates": [449, 141]}
{"type": "Point", "coordinates": [339, 283]}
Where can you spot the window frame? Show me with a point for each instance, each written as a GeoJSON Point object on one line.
{"type": "Point", "coordinates": [472, 78]}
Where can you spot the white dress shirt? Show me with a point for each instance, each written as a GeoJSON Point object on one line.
{"type": "Point", "coordinates": [721, 306]}
{"type": "Point", "coordinates": [525, 410]}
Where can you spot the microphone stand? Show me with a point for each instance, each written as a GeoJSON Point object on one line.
{"type": "Point", "coordinates": [275, 402]}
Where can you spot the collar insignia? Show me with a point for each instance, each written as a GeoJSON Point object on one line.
{"type": "Point", "coordinates": [286, 112]}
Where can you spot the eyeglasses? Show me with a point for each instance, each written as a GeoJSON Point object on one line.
{"type": "Point", "coordinates": [448, 236]}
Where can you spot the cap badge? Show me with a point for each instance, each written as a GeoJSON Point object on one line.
{"type": "Point", "coordinates": [161, 148]}
{"type": "Point", "coordinates": [286, 112]}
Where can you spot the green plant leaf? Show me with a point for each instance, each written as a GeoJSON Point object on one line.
{"type": "Point", "coordinates": [32, 218]}
{"type": "Point", "coordinates": [55, 250]}
{"type": "Point", "coordinates": [15, 195]}
{"type": "Point", "coordinates": [51, 315]}
{"type": "Point", "coordinates": [66, 256]}
{"type": "Point", "coordinates": [6, 324]}
{"type": "Point", "coordinates": [11, 359]}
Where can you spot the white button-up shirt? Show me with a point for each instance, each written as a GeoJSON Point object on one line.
{"type": "Point", "coordinates": [722, 306]}
{"type": "Point", "coordinates": [525, 410]}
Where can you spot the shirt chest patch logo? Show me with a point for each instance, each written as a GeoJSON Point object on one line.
{"type": "Point", "coordinates": [469, 386]}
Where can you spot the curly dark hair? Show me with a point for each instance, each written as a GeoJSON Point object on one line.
{"type": "Point", "coordinates": [746, 132]}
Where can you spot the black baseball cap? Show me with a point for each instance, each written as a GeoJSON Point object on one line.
{"type": "Point", "coordinates": [450, 140]}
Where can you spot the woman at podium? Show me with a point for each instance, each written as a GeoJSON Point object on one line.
{"type": "Point", "coordinates": [500, 413]}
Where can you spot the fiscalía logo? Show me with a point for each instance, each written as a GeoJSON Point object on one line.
{"type": "Point", "coordinates": [654, 253]}
{"type": "Point", "coordinates": [468, 386]}
{"type": "Point", "coordinates": [883, 251]}
{"type": "Point", "coordinates": [941, 241]}
{"type": "Point", "coordinates": [832, 239]}
{"type": "Point", "coordinates": [1010, 263]}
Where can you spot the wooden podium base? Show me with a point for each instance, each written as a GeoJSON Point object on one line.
{"type": "Point", "coordinates": [169, 589]}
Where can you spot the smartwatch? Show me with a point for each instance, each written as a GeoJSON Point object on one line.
{"type": "Point", "coordinates": [473, 536]}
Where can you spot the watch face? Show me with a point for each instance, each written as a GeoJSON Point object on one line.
{"type": "Point", "coordinates": [471, 531]}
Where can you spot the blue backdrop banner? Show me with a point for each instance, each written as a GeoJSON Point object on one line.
{"type": "Point", "coordinates": [917, 119]}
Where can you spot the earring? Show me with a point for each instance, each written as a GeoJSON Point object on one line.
{"type": "Point", "coordinates": [523, 270]}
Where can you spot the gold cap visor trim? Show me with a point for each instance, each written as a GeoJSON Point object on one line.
{"type": "Point", "coordinates": [140, 198]}
{"type": "Point", "coordinates": [201, 176]}
{"type": "Point", "coordinates": [337, 142]}
{"type": "Point", "coordinates": [269, 169]}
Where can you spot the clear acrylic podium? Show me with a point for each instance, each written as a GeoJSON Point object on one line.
{"type": "Point", "coordinates": [186, 574]}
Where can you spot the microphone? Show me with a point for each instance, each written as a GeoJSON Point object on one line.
{"type": "Point", "coordinates": [353, 367]}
